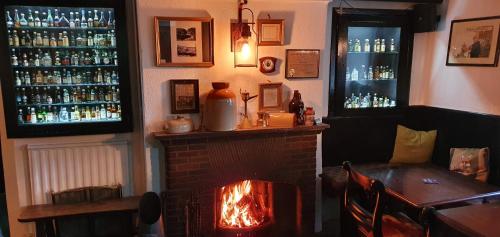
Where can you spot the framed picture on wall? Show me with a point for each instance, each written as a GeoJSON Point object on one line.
{"type": "Point", "coordinates": [184, 42]}
{"type": "Point", "coordinates": [474, 42]}
{"type": "Point", "coordinates": [271, 32]}
{"type": "Point", "coordinates": [184, 96]}
{"type": "Point", "coordinates": [270, 96]}
{"type": "Point", "coordinates": [302, 63]}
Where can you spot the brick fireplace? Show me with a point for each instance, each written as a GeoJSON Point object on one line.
{"type": "Point", "coordinates": [198, 164]}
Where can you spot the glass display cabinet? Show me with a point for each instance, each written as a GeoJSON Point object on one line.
{"type": "Point", "coordinates": [372, 61]}
{"type": "Point", "coordinates": [66, 69]}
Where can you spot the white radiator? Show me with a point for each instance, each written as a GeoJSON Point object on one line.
{"type": "Point", "coordinates": [57, 167]}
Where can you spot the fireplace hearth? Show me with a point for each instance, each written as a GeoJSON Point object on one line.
{"type": "Point", "coordinates": [249, 183]}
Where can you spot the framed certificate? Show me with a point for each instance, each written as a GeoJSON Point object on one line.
{"type": "Point", "coordinates": [270, 96]}
{"type": "Point", "coordinates": [302, 63]}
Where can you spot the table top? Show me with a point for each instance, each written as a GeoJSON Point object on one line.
{"type": "Point", "coordinates": [405, 182]}
{"type": "Point", "coordinates": [49, 211]}
{"type": "Point", "coordinates": [475, 220]}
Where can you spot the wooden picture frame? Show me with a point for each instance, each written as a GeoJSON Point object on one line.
{"type": "Point", "coordinates": [271, 96]}
{"type": "Point", "coordinates": [271, 32]}
{"type": "Point", "coordinates": [302, 63]}
{"type": "Point", "coordinates": [184, 41]}
{"type": "Point", "coordinates": [474, 42]}
{"type": "Point", "coordinates": [184, 96]}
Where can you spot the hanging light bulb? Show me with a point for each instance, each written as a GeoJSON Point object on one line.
{"type": "Point", "coordinates": [245, 44]}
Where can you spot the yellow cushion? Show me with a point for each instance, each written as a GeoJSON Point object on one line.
{"type": "Point", "coordinates": [413, 147]}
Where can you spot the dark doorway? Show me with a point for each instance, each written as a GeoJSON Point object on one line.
{"type": "Point", "coordinates": [4, 222]}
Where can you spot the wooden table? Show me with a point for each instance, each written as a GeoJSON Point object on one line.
{"type": "Point", "coordinates": [44, 214]}
{"type": "Point", "coordinates": [404, 182]}
{"type": "Point", "coordinates": [475, 220]}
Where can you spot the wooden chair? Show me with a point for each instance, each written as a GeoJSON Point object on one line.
{"type": "Point", "coordinates": [364, 202]}
{"type": "Point", "coordinates": [110, 224]}
{"type": "Point", "coordinates": [78, 226]}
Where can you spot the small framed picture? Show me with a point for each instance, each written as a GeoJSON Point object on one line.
{"type": "Point", "coordinates": [270, 96]}
{"type": "Point", "coordinates": [302, 63]}
{"type": "Point", "coordinates": [474, 42]}
{"type": "Point", "coordinates": [184, 42]}
{"type": "Point", "coordinates": [184, 96]}
{"type": "Point", "coordinates": [271, 32]}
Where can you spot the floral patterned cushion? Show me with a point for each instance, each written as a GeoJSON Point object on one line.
{"type": "Point", "coordinates": [472, 162]}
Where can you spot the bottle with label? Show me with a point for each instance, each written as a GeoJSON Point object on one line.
{"type": "Point", "coordinates": [37, 21]}
{"type": "Point", "coordinates": [357, 46]}
{"type": "Point", "coordinates": [367, 45]}
{"type": "Point", "coordinates": [296, 106]}
{"type": "Point", "coordinates": [382, 46]}
{"type": "Point", "coordinates": [16, 18]}
{"type": "Point", "coordinates": [354, 74]}
{"type": "Point", "coordinates": [56, 18]}
{"type": "Point", "coordinates": [33, 116]}
{"type": "Point", "coordinates": [83, 22]}
{"type": "Point", "coordinates": [13, 58]}
{"type": "Point", "coordinates": [393, 46]}
{"type": "Point", "coordinates": [31, 20]}
{"type": "Point", "coordinates": [44, 20]}
{"type": "Point", "coordinates": [370, 73]}
{"type": "Point", "coordinates": [96, 19]}
{"type": "Point", "coordinates": [20, 116]}
{"type": "Point", "coordinates": [78, 23]}
{"type": "Point", "coordinates": [71, 20]}
{"type": "Point", "coordinates": [364, 74]}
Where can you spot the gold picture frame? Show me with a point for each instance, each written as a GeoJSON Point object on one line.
{"type": "Point", "coordinates": [184, 41]}
{"type": "Point", "coordinates": [271, 32]}
{"type": "Point", "coordinates": [271, 96]}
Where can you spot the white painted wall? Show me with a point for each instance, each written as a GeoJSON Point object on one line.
{"type": "Point", "coordinates": [306, 28]}
{"type": "Point", "coordinates": [463, 88]}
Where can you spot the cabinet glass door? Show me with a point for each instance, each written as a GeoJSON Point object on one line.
{"type": "Point", "coordinates": [65, 64]}
{"type": "Point", "coordinates": [372, 64]}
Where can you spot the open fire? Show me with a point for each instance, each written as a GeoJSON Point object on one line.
{"type": "Point", "coordinates": [243, 205]}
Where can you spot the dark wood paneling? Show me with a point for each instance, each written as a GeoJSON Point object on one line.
{"type": "Point", "coordinates": [359, 139]}
{"type": "Point", "coordinates": [371, 139]}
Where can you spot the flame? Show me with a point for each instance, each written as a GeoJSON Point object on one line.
{"type": "Point", "coordinates": [240, 206]}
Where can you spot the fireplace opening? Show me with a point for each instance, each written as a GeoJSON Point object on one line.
{"type": "Point", "coordinates": [255, 208]}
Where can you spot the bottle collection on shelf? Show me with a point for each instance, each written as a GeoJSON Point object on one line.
{"type": "Point", "coordinates": [33, 19]}
{"type": "Point", "coordinates": [42, 58]}
{"type": "Point", "coordinates": [52, 114]}
{"type": "Point", "coordinates": [62, 66]}
{"type": "Point", "coordinates": [61, 39]}
{"type": "Point", "coordinates": [379, 46]}
{"type": "Point", "coordinates": [379, 73]}
{"type": "Point", "coordinates": [356, 102]}
{"type": "Point", "coordinates": [50, 104]}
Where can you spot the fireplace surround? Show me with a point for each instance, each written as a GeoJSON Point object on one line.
{"type": "Point", "coordinates": [199, 164]}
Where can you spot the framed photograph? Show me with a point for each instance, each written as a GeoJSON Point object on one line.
{"type": "Point", "coordinates": [302, 63]}
{"type": "Point", "coordinates": [271, 32]}
{"type": "Point", "coordinates": [270, 96]}
{"type": "Point", "coordinates": [474, 42]}
{"type": "Point", "coordinates": [184, 96]}
{"type": "Point", "coordinates": [184, 42]}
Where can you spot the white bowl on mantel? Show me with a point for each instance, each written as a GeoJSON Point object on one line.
{"type": "Point", "coordinates": [179, 125]}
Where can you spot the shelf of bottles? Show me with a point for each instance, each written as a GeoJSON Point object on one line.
{"type": "Point", "coordinates": [372, 63]}
{"type": "Point", "coordinates": [65, 64]}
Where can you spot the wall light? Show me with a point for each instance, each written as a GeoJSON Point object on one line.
{"type": "Point", "coordinates": [244, 42]}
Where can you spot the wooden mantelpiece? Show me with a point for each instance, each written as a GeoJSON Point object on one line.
{"type": "Point", "coordinates": [164, 135]}
{"type": "Point", "coordinates": [199, 163]}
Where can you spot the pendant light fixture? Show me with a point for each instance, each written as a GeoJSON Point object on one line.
{"type": "Point", "coordinates": [244, 40]}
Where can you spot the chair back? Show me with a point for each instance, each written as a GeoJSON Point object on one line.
{"type": "Point", "coordinates": [78, 226]}
{"type": "Point", "coordinates": [364, 202]}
